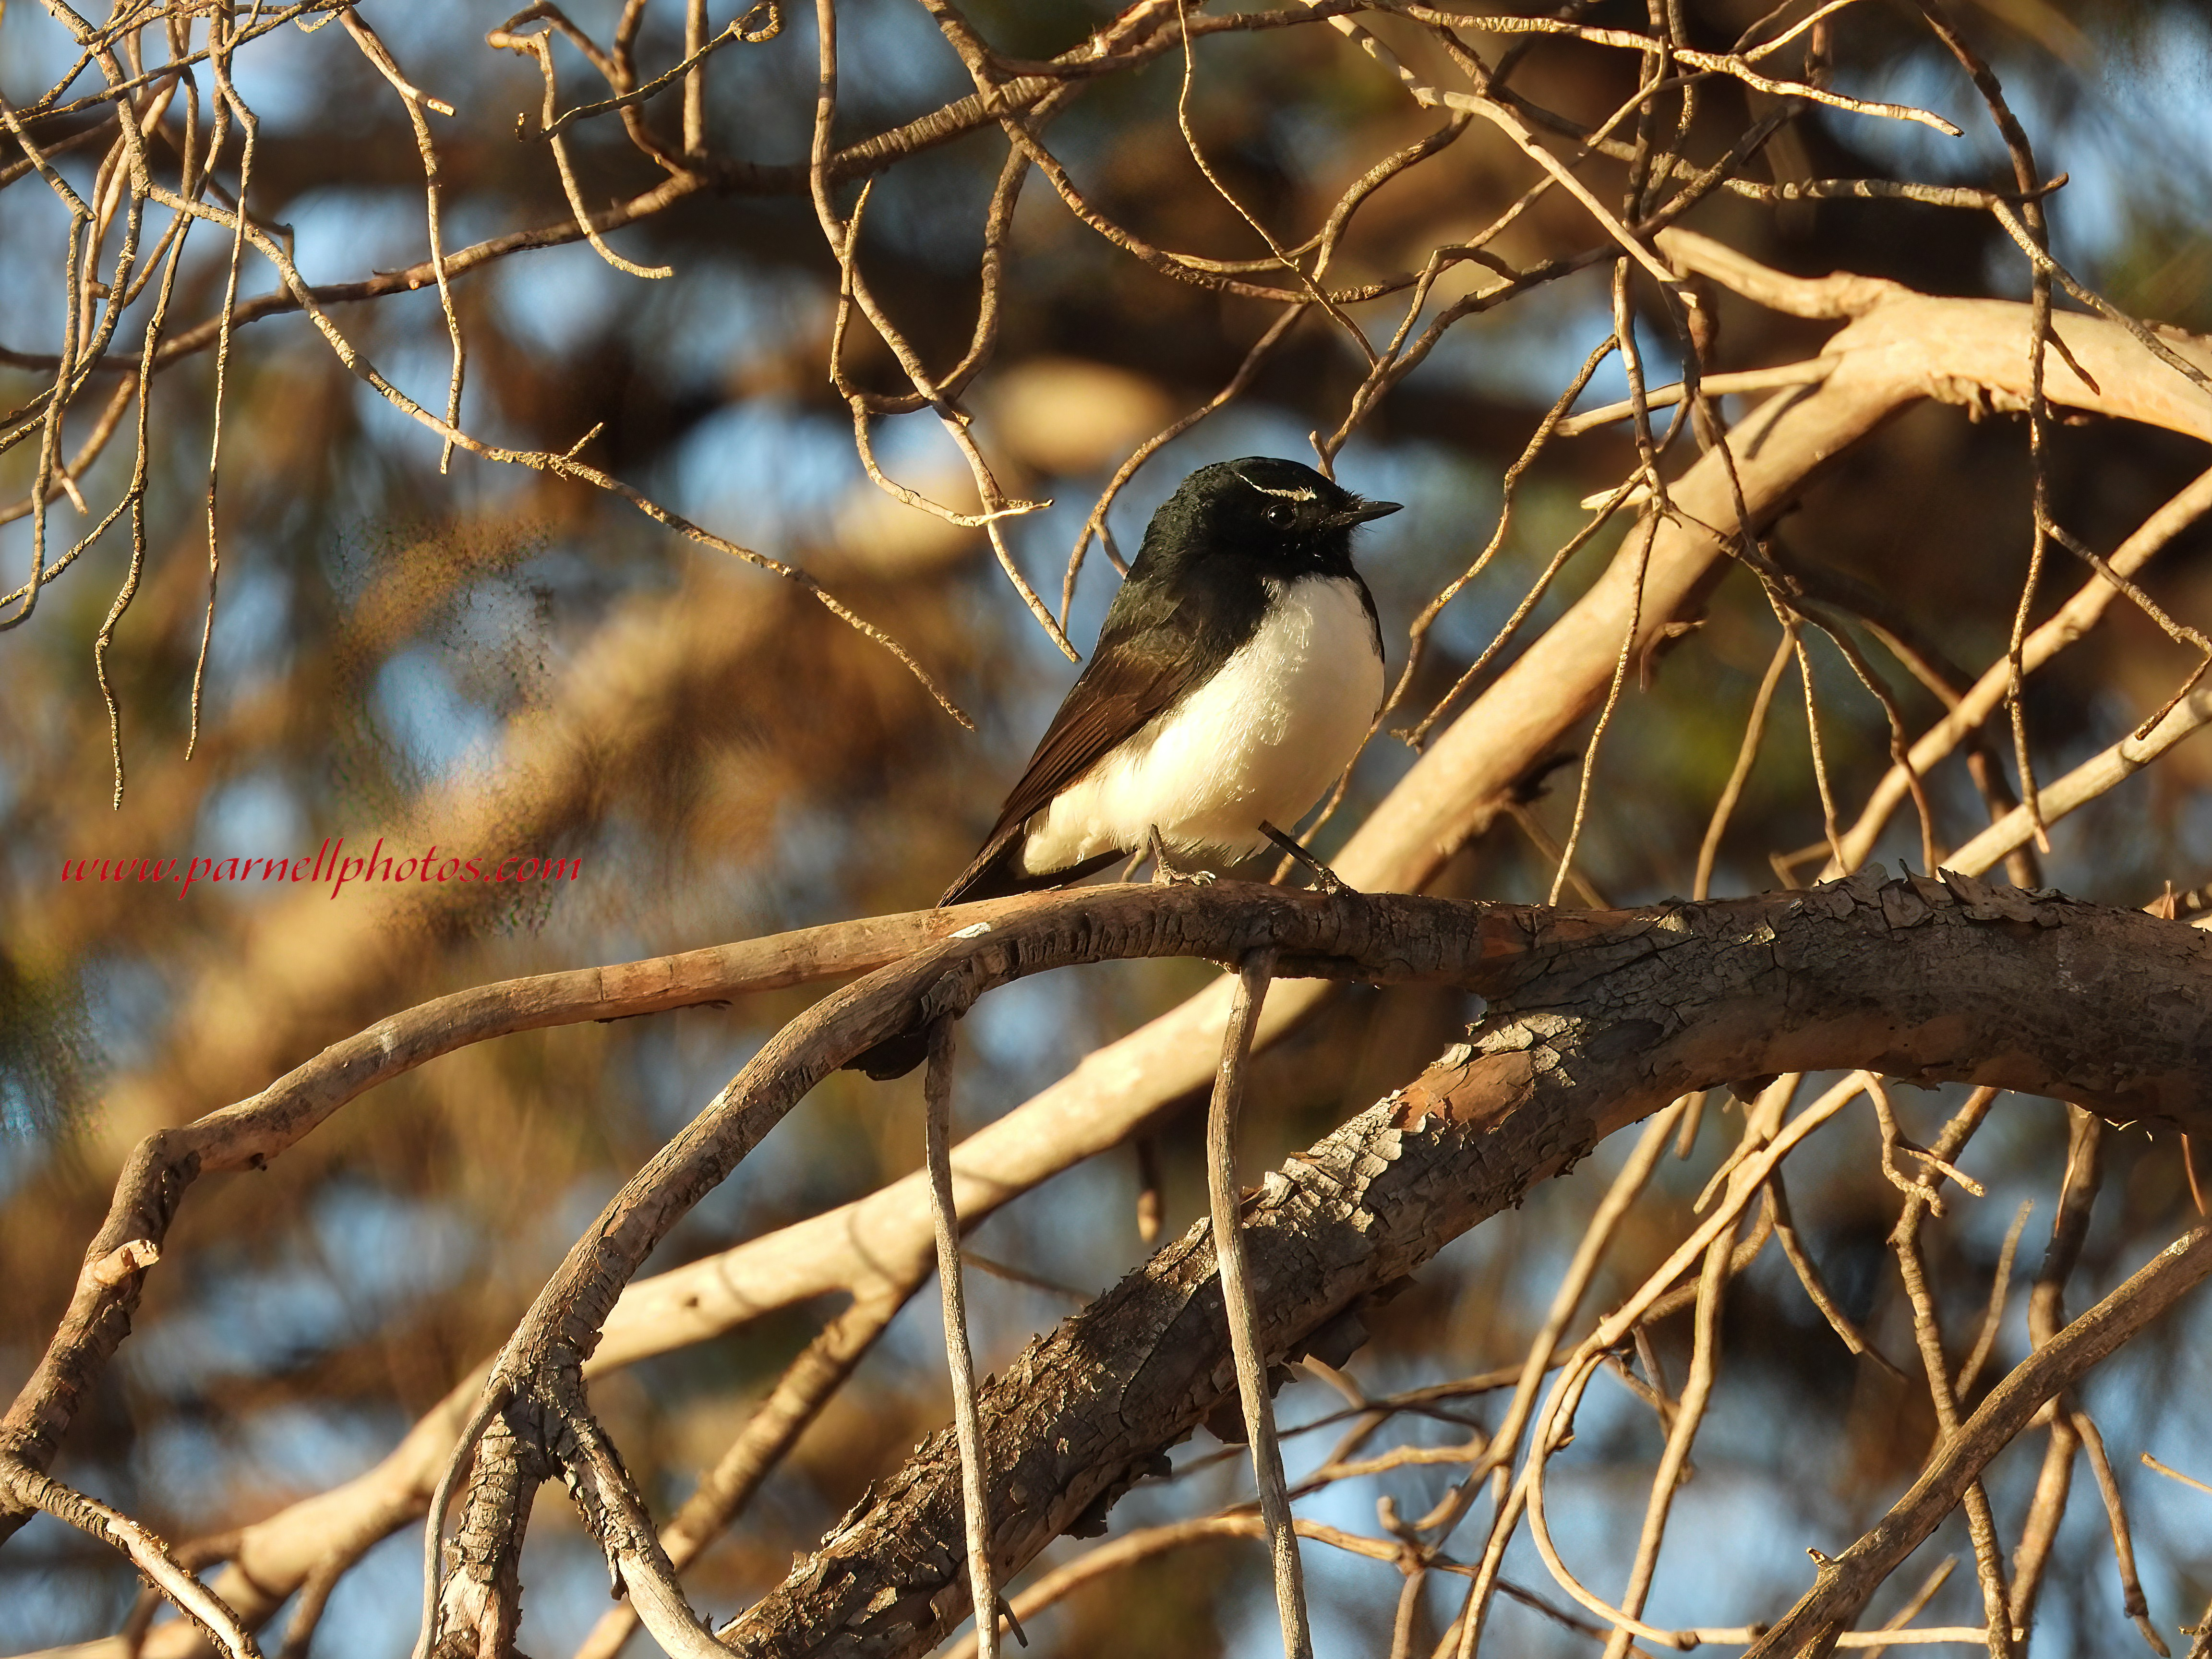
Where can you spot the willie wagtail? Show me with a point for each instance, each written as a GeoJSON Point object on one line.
{"type": "Point", "coordinates": [1239, 668]}
{"type": "Point", "coordinates": [1238, 671]}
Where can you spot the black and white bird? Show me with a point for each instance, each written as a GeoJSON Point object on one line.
{"type": "Point", "coordinates": [1239, 669]}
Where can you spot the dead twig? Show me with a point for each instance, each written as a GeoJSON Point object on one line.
{"type": "Point", "coordinates": [1845, 1581]}
{"type": "Point", "coordinates": [1251, 1387]}
{"type": "Point", "coordinates": [33, 1490]}
{"type": "Point", "coordinates": [945, 1215]}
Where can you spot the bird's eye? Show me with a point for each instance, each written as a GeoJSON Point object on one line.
{"type": "Point", "coordinates": [1278, 515]}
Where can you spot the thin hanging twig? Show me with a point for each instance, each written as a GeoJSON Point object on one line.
{"type": "Point", "coordinates": [966, 1418]}
{"type": "Point", "coordinates": [1746, 752]}
{"type": "Point", "coordinates": [1222, 1192]}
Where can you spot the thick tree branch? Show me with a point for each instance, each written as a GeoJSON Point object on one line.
{"type": "Point", "coordinates": [1595, 1020]}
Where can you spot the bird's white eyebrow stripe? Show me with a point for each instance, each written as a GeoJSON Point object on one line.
{"type": "Point", "coordinates": [1301, 494]}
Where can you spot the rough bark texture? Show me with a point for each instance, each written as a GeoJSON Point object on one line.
{"type": "Point", "coordinates": [1599, 1019]}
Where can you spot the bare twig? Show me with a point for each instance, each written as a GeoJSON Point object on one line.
{"type": "Point", "coordinates": [2124, 1550]}
{"type": "Point", "coordinates": [540, 46]}
{"type": "Point", "coordinates": [2151, 1462]}
{"type": "Point", "coordinates": [1543, 1355]}
{"type": "Point", "coordinates": [1754, 728]}
{"type": "Point", "coordinates": [2072, 620]}
{"type": "Point", "coordinates": [1222, 1191]}
{"type": "Point", "coordinates": [26, 1487]}
{"type": "Point", "coordinates": [1710, 386]}
{"type": "Point", "coordinates": [1816, 1290]}
{"type": "Point", "coordinates": [374, 49]}
{"type": "Point", "coordinates": [1993, 1316]}
{"type": "Point", "coordinates": [974, 1477]}
{"type": "Point", "coordinates": [774, 1428]}
{"type": "Point", "coordinates": [1845, 1580]}
{"type": "Point", "coordinates": [2095, 776]}
{"type": "Point", "coordinates": [1919, 1599]}
{"type": "Point", "coordinates": [1682, 1433]}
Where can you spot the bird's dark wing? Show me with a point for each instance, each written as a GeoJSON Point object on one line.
{"type": "Point", "coordinates": [1149, 655]}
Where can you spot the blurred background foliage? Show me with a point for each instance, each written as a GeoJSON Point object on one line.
{"type": "Point", "coordinates": [498, 661]}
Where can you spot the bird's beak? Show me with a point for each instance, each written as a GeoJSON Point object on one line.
{"type": "Point", "coordinates": [1360, 511]}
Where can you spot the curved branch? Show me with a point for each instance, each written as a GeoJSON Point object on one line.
{"type": "Point", "coordinates": [152, 1557]}
{"type": "Point", "coordinates": [1595, 1020]}
{"type": "Point", "coordinates": [248, 1134]}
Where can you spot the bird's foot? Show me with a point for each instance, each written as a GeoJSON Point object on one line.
{"type": "Point", "coordinates": [1324, 878]}
{"type": "Point", "coordinates": [1165, 874]}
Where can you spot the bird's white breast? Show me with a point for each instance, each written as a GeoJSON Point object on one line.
{"type": "Point", "coordinates": [1260, 740]}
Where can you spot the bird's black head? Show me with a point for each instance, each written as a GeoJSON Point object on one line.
{"type": "Point", "coordinates": [1277, 514]}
